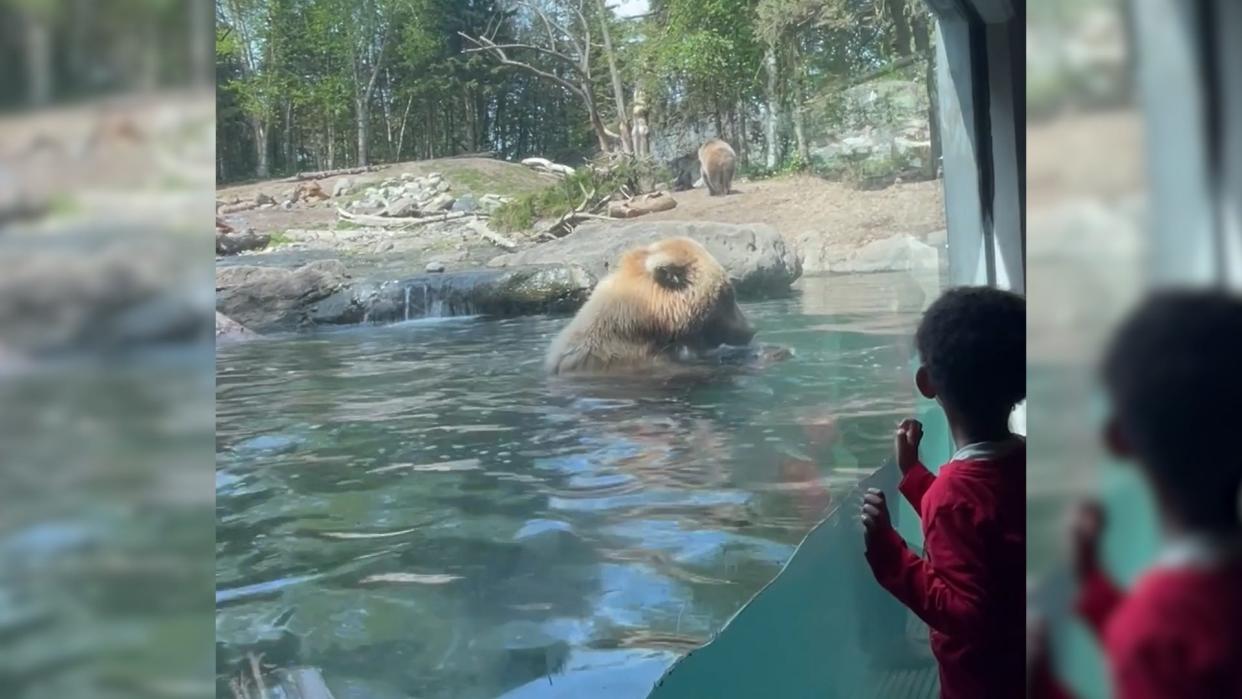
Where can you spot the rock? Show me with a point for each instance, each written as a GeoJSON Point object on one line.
{"type": "Point", "coordinates": [400, 208]}
{"type": "Point", "coordinates": [407, 176]}
{"type": "Point", "coordinates": [233, 243]}
{"type": "Point", "coordinates": [900, 253]}
{"type": "Point", "coordinates": [384, 246]}
{"type": "Point", "coordinates": [265, 299]}
{"type": "Point", "coordinates": [287, 204]}
{"type": "Point", "coordinates": [228, 329]}
{"type": "Point", "coordinates": [526, 290]}
{"type": "Point", "coordinates": [759, 262]}
{"type": "Point", "coordinates": [435, 266]}
{"type": "Point", "coordinates": [440, 202]}
{"type": "Point", "coordinates": [489, 203]}
{"type": "Point", "coordinates": [342, 187]}
{"type": "Point", "coordinates": [442, 186]}
{"type": "Point", "coordinates": [642, 204]}
{"type": "Point", "coordinates": [465, 202]}
{"type": "Point", "coordinates": [96, 289]}
{"type": "Point", "coordinates": [262, 199]}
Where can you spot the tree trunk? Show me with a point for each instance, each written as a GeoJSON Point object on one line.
{"type": "Point", "coordinates": [773, 107]}
{"type": "Point", "coordinates": [618, 93]}
{"type": "Point", "coordinates": [743, 141]}
{"type": "Point", "coordinates": [597, 124]}
{"type": "Point", "coordinates": [262, 169]}
{"type": "Point", "coordinates": [363, 112]}
{"type": "Point", "coordinates": [202, 44]}
{"type": "Point", "coordinates": [290, 161]}
{"type": "Point", "coordinates": [404, 120]}
{"type": "Point", "coordinates": [799, 115]}
{"type": "Point", "coordinates": [641, 135]}
{"type": "Point", "coordinates": [386, 100]}
{"type": "Point", "coordinates": [901, 26]}
{"type": "Point", "coordinates": [331, 145]}
{"type": "Point", "coordinates": [38, 60]}
{"type": "Point", "coordinates": [932, 168]}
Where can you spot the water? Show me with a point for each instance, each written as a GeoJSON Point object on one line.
{"type": "Point", "coordinates": [418, 511]}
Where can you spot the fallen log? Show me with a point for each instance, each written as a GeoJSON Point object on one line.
{"type": "Point", "coordinates": [642, 204]}
{"type": "Point", "coordinates": [241, 206]}
{"type": "Point", "coordinates": [321, 174]}
{"type": "Point", "coordinates": [400, 222]}
{"type": "Point", "coordinates": [493, 237]}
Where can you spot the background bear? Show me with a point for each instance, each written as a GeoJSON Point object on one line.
{"type": "Point", "coordinates": [661, 301]}
{"type": "Point", "coordinates": [718, 162]}
{"type": "Point", "coordinates": [685, 170]}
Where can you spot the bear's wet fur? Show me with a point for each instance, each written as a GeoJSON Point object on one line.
{"type": "Point", "coordinates": [661, 301]}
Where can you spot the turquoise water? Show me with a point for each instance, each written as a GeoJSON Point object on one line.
{"type": "Point", "coordinates": [416, 510]}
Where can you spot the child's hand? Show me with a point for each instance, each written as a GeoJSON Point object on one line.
{"type": "Point", "coordinates": [1086, 527]}
{"type": "Point", "coordinates": [906, 444]}
{"type": "Point", "coordinates": [875, 517]}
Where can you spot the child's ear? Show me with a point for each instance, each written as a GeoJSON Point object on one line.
{"type": "Point", "coordinates": [1115, 440]}
{"type": "Point", "coordinates": [923, 380]}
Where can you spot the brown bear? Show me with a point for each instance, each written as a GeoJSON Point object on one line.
{"type": "Point", "coordinates": [717, 162]}
{"type": "Point", "coordinates": [661, 302]}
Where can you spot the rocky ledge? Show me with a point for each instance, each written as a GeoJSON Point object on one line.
{"type": "Point", "coordinates": [759, 262]}
{"type": "Point", "coordinates": [269, 299]}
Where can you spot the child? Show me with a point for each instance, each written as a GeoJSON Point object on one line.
{"type": "Point", "coordinates": [970, 588]}
{"type": "Point", "coordinates": [1172, 378]}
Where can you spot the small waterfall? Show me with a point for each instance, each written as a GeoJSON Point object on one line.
{"type": "Point", "coordinates": [407, 303]}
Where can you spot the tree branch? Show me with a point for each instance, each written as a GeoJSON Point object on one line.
{"type": "Point", "coordinates": [486, 45]}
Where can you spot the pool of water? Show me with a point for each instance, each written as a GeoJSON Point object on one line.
{"type": "Point", "coordinates": [416, 510]}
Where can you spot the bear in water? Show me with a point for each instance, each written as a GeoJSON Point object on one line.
{"type": "Point", "coordinates": [717, 162]}
{"type": "Point", "coordinates": [662, 302]}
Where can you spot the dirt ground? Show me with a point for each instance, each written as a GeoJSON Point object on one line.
{"type": "Point", "coordinates": [475, 175]}
{"type": "Point", "coordinates": [795, 205]}
{"type": "Point", "coordinates": [801, 204]}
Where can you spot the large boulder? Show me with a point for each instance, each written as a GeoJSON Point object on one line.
{"type": "Point", "coordinates": [896, 253]}
{"type": "Point", "coordinates": [272, 299]}
{"type": "Point", "coordinates": [759, 262]}
{"type": "Point", "coordinates": [494, 292]}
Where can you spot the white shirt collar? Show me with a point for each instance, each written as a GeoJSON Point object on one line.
{"type": "Point", "coordinates": [988, 450]}
{"type": "Point", "coordinates": [1198, 551]}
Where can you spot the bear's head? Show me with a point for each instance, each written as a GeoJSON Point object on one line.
{"type": "Point", "coordinates": [684, 295]}
{"type": "Point", "coordinates": [663, 300]}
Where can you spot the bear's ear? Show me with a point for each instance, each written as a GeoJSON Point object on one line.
{"type": "Point", "coordinates": [669, 271]}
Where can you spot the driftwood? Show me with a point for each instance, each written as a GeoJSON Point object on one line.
{"type": "Point", "coordinates": [545, 165]}
{"type": "Point", "coordinates": [634, 207]}
{"type": "Point", "coordinates": [321, 174]}
{"type": "Point", "coordinates": [240, 206]}
{"type": "Point", "coordinates": [400, 222]}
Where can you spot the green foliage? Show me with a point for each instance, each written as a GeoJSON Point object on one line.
{"type": "Point", "coordinates": [279, 238]}
{"type": "Point", "coordinates": [591, 183]}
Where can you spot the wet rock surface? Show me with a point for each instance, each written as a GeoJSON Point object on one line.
{"type": "Point", "coordinates": [759, 262]}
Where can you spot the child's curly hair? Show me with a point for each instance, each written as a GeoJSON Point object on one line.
{"type": "Point", "coordinates": [972, 340]}
{"type": "Point", "coordinates": [1173, 376]}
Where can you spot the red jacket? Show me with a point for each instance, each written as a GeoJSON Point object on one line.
{"type": "Point", "coordinates": [971, 586]}
{"type": "Point", "coordinates": [1178, 634]}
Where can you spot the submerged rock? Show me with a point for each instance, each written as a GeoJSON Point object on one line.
{"type": "Point", "coordinates": [759, 262]}
{"type": "Point", "coordinates": [228, 329]}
